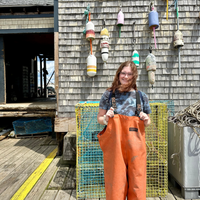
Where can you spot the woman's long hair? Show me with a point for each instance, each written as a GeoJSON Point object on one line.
{"type": "Point", "coordinates": [131, 84]}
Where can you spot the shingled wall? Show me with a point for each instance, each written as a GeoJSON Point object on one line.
{"type": "Point", "coordinates": [75, 85]}
{"type": "Point", "coordinates": [16, 3]}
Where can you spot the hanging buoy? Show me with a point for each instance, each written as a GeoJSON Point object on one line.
{"type": "Point", "coordinates": [135, 58]}
{"type": "Point", "coordinates": [90, 34]}
{"type": "Point", "coordinates": [178, 39]}
{"type": "Point", "coordinates": [120, 21]}
{"type": "Point", "coordinates": [151, 67]}
{"type": "Point", "coordinates": [104, 45]}
{"type": "Point", "coordinates": [91, 65]}
{"type": "Point", "coordinates": [153, 22]}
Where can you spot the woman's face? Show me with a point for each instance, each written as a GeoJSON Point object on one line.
{"type": "Point", "coordinates": [125, 75]}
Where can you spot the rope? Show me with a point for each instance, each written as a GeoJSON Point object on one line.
{"type": "Point", "coordinates": [190, 117]}
{"type": "Point", "coordinates": [86, 12]}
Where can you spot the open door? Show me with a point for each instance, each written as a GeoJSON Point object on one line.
{"type": "Point", "coordinates": [2, 73]}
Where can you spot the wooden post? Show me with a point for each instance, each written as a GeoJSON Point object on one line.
{"type": "Point", "coordinates": [41, 76]}
{"type": "Point", "coordinates": [56, 64]}
{"type": "Point", "coordinates": [2, 73]}
{"type": "Point", "coordinates": [45, 78]}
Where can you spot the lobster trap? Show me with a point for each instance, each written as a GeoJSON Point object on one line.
{"type": "Point", "coordinates": [169, 103]}
{"type": "Point", "coordinates": [28, 125]}
{"type": "Point", "coordinates": [89, 162]}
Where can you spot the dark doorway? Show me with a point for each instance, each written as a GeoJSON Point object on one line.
{"type": "Point", "coordinates": [21, 53]}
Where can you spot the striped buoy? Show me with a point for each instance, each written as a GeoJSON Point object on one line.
{"type": "Point", "coordinates": [135, 58]}
{"type": "Point", "coordinates": [104, 45]}
{"type": "Point", "coordinates": [90, 34]}
{"type": "Point", "coordinates": [91, 65]}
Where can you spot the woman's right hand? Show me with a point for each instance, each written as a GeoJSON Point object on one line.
{"type": "Point", "coordinates": [110, 113]}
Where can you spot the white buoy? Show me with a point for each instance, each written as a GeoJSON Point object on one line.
{"type": "Point", "coordinates": [91, 65]}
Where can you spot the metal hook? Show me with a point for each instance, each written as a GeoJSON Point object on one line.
{"type": "Point", "coordinates": [150, 49]}
{"type": "Point", "coordinates": [120, 7]}
{"type": "Point", "coordinates": [134, 40]}
{"type": "Point", "coordinates": [150, 6]}
{"type": "Point", "coordinates": [104, 22]}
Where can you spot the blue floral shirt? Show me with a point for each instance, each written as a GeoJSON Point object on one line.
{"type": "Point", "coordinates": [125, 102]}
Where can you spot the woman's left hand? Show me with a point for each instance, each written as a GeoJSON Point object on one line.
{"type": "Point", "coordinates": [143, 116]}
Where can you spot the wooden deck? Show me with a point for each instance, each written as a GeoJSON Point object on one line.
{"type": "Point", "coordinates": [29, 109]}
{"type": "Point", "coordinates": [21, 157]}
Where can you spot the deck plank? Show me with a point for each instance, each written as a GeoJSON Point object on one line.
{"type": "Point", "coordinates": [59, 178]}
{"type": "Point", "coordinates": [5, 150]}
{"type": "Point", "coordinates": [42, 183]}
{"type": "Point", "coordinates": [18, 152]}
{"type": "Point", "coordinates": [11, 164]}
{"type": "Point", "coordinates": [70, 181]}
{"type": "Point", "coordinates": [63, 195]}
{"type": "Point", "coordinates": [49, 195]}
{"type": "Point", "coordinates": [14, 180]}
{"type": "Point", "coordinates": [8, 142]}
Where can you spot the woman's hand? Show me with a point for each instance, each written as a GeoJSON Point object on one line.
{"type": "Point", "coordinates": [145, 117]}
{"type": "Point", "coordinates": [110, 113]}
{"type": "Point", "coordinates": [103, 115]}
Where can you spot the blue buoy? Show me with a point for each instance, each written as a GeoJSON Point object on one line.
{"type": "Point", "coordinates": [153, 19]}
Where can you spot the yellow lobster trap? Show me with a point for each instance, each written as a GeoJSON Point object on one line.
{"type": "Point", "coordinates": [89, 157]}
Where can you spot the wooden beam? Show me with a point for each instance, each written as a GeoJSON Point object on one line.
{"type": "Point", "coordinates": [33, 106]}
{"type": "Point", "coordinates": [65, 124]}
{"type": "Point", "coordinates": [27, 114]}
{"type": "Point", "coordinates": [56, 64]}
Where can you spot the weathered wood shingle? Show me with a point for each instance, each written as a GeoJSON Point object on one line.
{"type": "Point", "coordinates": [13, 3]}
{"type": "Point", "coordinates": [75, 85]}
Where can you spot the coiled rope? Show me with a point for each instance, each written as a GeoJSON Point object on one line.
{"type": "Point", "coordinates": [190, 116]}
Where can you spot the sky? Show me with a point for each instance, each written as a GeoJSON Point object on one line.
{"type": "Point", "coordinates": [50, 69]}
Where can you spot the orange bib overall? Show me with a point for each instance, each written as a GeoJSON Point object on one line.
{"type": "Point", "coordinates": [124, 153]}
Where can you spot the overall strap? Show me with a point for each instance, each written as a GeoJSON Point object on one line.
{"type": "Point", "coordinates": [138, 104]}
{"type": "Point", "coordinates": [113, 102]}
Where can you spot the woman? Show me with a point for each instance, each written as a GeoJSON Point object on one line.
{"type": "Point", "coordinates": [123, 139]}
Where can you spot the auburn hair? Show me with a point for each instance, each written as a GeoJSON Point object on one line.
{"type": "Point", "coordinates": [132, 83]}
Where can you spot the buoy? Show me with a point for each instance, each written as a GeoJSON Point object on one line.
{"type": "Point", "coordinates": [90, 34]}
{"type": "Point", "coordinates": [135, 58]}
{"type": "Point", "coordinates": [178, 39]}
{"type": "Point", "coordinates": [153, 22]}
{"type": "Point", "coordinates": [104, 45]}
{"type": "Point", "coordinates": [151, 67]}
{"type": "Point", "coordinates": [91, 65]}
{"type": "Point", "coordinates": [120, 21]}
